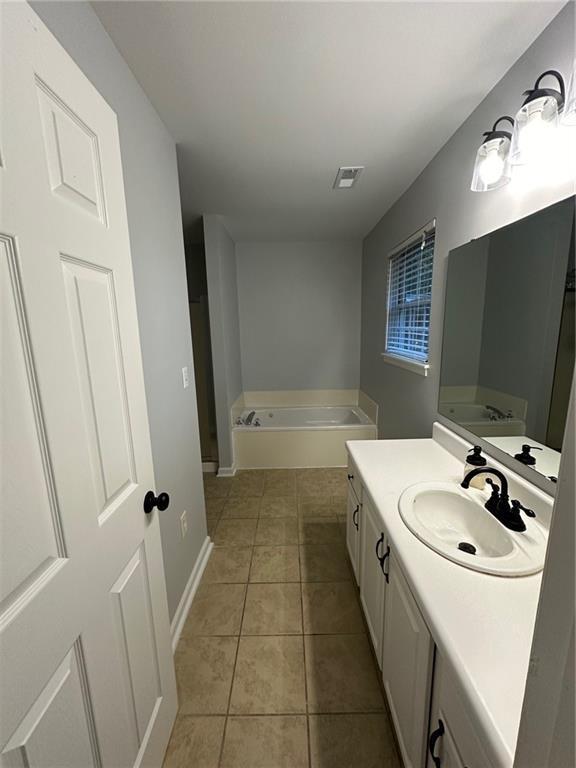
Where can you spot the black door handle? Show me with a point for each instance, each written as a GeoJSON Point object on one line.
{"type": "Point", "coordinates": [161, 501]}
{"type": "Point", "coordinates": [434, 736]}
{"type": "Point", "coordinates": [355, 516]}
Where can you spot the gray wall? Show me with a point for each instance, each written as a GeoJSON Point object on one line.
{"type": "Point", "coordinates": [299, 314]}
{"type": "Point", "coordinates": [526, 281]}
{"type": "Point", "coordinates": [224, 329]}
{"type": "Point", "coordinates": [408, 401]}
{"type": "Point", "coordinates": [464, 315]}
{"type": "Point", "coordinates": [154, 221]}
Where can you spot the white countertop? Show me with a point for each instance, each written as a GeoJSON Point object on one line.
{"type": "Point", "coordinates": [482, 624]}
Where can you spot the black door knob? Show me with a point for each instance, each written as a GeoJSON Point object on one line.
{"type": "Point", "coordinates": [161, 501]}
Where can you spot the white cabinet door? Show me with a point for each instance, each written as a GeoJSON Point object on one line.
{"type": "Point", "coordinates": [374, 555]}
{"type": "Point", "coordinates": [85, 657]}
{"type": "Point", "coordinates": [407, 656]}
{"type": "Point", "coordinates": [452, 741]}
{"type": "Point", "coordinates": [353, 527]}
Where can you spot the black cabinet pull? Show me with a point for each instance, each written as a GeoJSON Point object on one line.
{"type": "Point", "coordinates": [161, 501]}
{"type": "Point", "coordinates": [434, 736]}
{"type": "Point", "coordinates": [355, 516]}
{"type": "Point", "coordinates": [382, 561]}
{"type": "Point", "coordinates": [380, 541]}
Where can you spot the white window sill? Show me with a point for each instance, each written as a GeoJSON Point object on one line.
{"type": "Point", "coordinates": [409, 365]}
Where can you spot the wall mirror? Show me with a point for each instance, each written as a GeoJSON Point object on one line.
{"type": "Point", "coordinates": [508, 346]}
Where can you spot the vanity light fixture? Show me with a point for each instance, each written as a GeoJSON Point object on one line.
{"type": "Point", "coordinates": [492, 167]}
{"type": "Point", "coordinates": [536, 120]}
{"type": "Point", "coordinates": [569, 115]}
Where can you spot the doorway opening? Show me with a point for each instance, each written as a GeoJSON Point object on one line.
{"type": "Point", "coordinates": [202, 348]}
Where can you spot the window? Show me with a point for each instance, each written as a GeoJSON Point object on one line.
{"type": "Point", "coordinates": [409, 299]}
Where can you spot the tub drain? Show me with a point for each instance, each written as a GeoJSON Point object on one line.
{"type": "Point", "coordinates": [466, 547]}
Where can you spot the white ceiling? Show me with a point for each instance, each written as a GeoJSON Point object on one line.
{"type": "Point", "coordinates": [266, 99]}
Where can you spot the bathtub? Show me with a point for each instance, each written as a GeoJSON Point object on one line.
{"type": "Point", "coordinates": [305, 436]}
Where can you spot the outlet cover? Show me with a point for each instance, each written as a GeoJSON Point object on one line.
{"type": "Point", "coordinates": [184, 523]}
{"type": "Point", "coordinates": [185, 377]}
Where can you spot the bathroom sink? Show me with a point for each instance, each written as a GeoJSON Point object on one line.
{"type": "Point", "coordinates": [453, 522]}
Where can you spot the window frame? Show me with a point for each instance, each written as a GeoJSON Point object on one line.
{"type": "Point", "coordinates": [421, 367]}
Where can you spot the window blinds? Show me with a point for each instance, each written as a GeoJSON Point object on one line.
{"type": "Point", "coordinates": [409, 298]}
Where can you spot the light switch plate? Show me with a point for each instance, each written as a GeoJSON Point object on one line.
{"type": "Point", "coordinates": [185, 377]}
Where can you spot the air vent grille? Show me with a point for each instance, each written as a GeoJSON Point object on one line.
{"type": "Point", "coordinates": [347, 176]}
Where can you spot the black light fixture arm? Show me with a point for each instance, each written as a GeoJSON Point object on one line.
{"type": "Point", "coordinates": [498, 134]}
{"type": "Point", "coordinates": [537, 92]}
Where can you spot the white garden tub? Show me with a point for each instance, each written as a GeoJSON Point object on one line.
{"type": "Point", "coordinates": [304, 436]}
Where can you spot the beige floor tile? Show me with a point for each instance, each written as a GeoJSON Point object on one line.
{"type": "Point", "coordinates": [319, 530]}
{"type": "Point", "coordinates": [272, 609]}
{"type": "Point", "coordinates": [341, 674]}
{"type": "Point", "coordinates": [204, 669]}
{"type": "Point", "coordinates": [331, 609]}
{"type": "Point", "coordinates": [275, 564]}
{"type": "Point", "coordinates": [282, 530]}
{"type": "Point", "coordinates": [214, 506]}
{"type": "Point", "coordinates": [216, 610]}
{"type": "Point", "coordinates": [216, 487]}
{"type": "Point", "coordinates": [280, 485]}
{"type": "Point", "coordinates": [352, 741]}
{"type": "Point", "coordinates": [324, 562]}
{"type": "Point", "coordinates": [241, 507]}
{"type": "Point", "coordinates": [316, 508]}
{"type": "Point", "coordinates": [266, 742]}
{"type": "Point", "coordinates": [212, 523]}
{"type": "Point", "coordinates": [269, 676]}
{"type": "Point", "coordinates": [247, 483]}
{"type": "Point", "coordinates": [195, 741]}
{"type": "Point", "coordinates": [281, 506]}
{"type": "Point", "coordinates": [231, 533]}
{"type": "Point", "coordinates": [319, 489]}
{"type": "Point", "coordinates": [228, 565]}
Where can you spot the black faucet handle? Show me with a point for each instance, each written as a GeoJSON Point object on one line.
{"type": "Point", "coordinates": [494, 486]}
{"type": "Point", "coordinates": [516, 506]}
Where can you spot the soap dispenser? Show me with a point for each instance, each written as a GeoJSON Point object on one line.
{"type": "Point", "coordinates": [526, 457]}
{"type": "Point", "coordinates": [473, 462]}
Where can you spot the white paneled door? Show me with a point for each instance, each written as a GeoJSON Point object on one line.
{"type": "Point", "coordinates": [86, 673]}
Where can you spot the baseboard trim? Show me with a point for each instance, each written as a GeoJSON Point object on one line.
{"type": "Point", "coordinates": [189, 592]}
{"type": "Point", "coordinates": [227, 471]}
{"type": "Point", "coordinates": [210, 466]}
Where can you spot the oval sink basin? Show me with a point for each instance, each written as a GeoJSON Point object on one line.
{"type": "Point", "coordinates": [454, 523]}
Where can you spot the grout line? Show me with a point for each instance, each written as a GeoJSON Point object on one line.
{"type": "Point", "coordinates": [235, 662]}
{"type": "Point", "coordinates": [304, 657]}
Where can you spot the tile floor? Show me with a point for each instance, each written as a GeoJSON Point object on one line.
{"type": "Point", "coordinates": [274, 665]}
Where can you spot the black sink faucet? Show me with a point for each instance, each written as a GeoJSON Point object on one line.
{"type": "Point", "coordinates": [499, 504]}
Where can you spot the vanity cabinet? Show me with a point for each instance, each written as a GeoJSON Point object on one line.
{"type": "Point", "coordinates": [374, 556]}
{"type": "Point", "coordinates": [354, 520]}
{"type": "Point", "coordinates": [452, 738]}
{"type": "Point", "coordinates": [407, 662]}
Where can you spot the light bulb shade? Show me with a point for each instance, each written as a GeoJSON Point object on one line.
{"type": "Point", "coordinates": [491, 169]}
{"type": "Point", "coordinates": [569, 116]}
{"type": "Point", "coordinates": [534, 128]}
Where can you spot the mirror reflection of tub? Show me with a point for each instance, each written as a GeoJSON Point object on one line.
{"type": "Point", "coordinates": [481, 420]}
{"type": "Point", "coordinates": [305, 436]}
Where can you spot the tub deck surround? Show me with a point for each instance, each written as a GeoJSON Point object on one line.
{"type": "Point", "coordinates": [304, 436]}
{"type": "Point", "coordinates": [482, 624]}
{"type": "Point", "coordinates": [301, 411]}
{"type": "Point", "coordinates": [304, 417]}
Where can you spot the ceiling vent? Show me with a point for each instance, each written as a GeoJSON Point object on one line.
{"type": "Point", "coordinates": [347, 176]}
